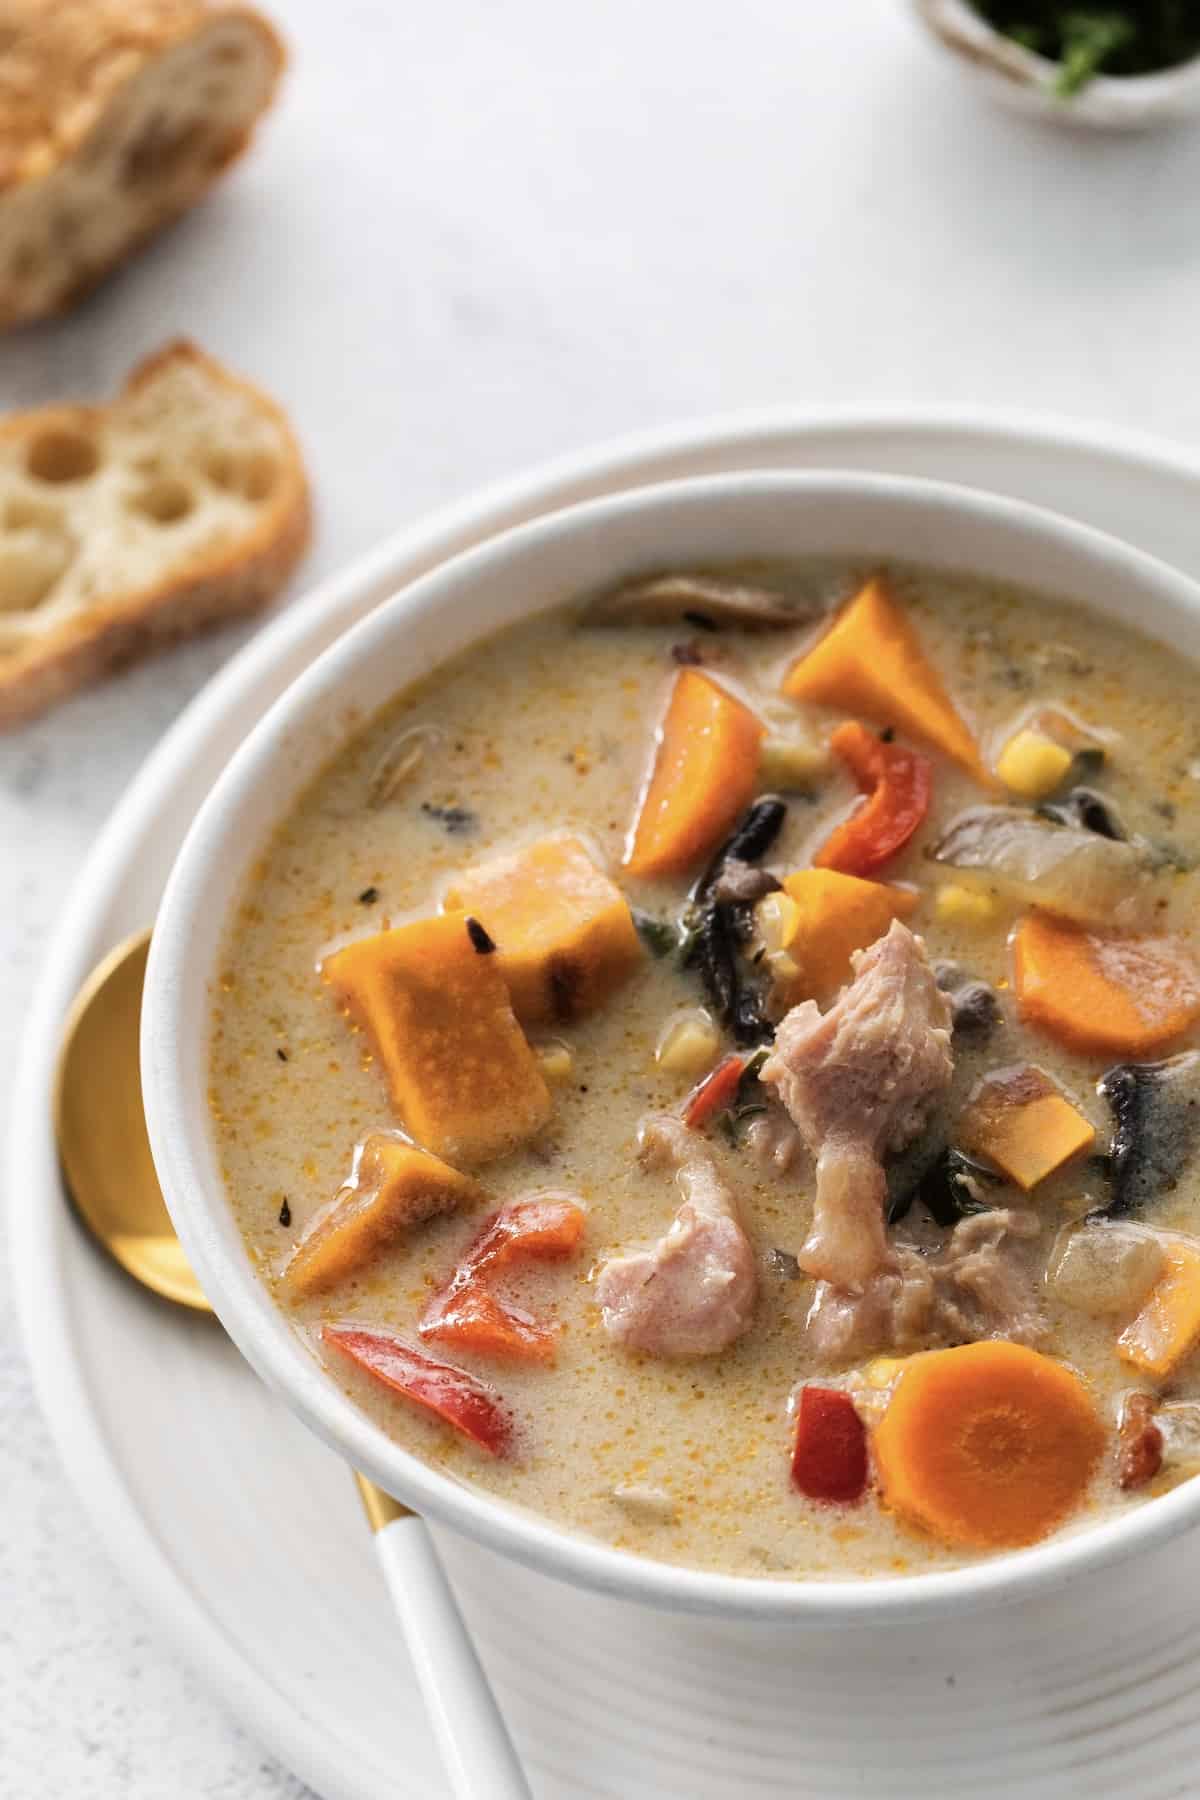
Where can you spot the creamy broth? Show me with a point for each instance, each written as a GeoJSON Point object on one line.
{"type": "Point", "coordinates": [548, 727]}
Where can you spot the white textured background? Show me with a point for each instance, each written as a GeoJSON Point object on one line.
{"type": "Point", "coordinates": [474, 235]}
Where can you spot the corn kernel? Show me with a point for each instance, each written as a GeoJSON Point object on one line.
{"type": "Point", "coordinates": [1033, 765]}
{"type": "Point", "coordinates": [954, 905]}
{"type": "Point", "coordinates": [556, 1061]}
{"type": "Point", "coordinates": [777, 920]}
{"type": "Point", "coordinates": [688, 1045]}
{"type": "Point", "coordinates": [783, 968]}
{"type": "Point", "coordinates": [789, 762]}
{"type": "Point", "coordinates": [883, 1370]}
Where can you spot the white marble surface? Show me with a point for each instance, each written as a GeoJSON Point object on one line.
{"type": "Point", "coordinates": [474, 236]}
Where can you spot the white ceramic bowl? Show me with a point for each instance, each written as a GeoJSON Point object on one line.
{"type": "Point", "coordinates": [755, 513]}
{"type": "Point", "coordinates": [1025, 82]}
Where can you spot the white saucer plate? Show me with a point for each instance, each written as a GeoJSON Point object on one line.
{"type": "Point", "coordinates": [242, 1533]}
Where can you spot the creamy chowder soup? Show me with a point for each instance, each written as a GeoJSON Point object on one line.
{"type": "Point", "coordinates": [711, 1065]}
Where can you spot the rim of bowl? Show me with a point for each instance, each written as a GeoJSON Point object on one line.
{"type": "Point", "coordinates": [175, 1040]}
{"type": "Point", "coordinates": [1015, 72]}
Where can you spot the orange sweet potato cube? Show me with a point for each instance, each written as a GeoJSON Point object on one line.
{"type": "Point", "coordinates": [1025, 1124]}
{"type": "Point", "coordinates": [564, 935]}
{"type": "Point", "coordinates": [461, 1073]}
{"type": "Point", "coordinates": [870, 662]}
{"type": "Point", "coordinates": [392, 1186]}
{"type": "Point", "coordinates": [1167, 1329]}
{"type": "Point", "coordinates": [834, 915]}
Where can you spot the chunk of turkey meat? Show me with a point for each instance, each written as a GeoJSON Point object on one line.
{"type": "Point", "coordinates": [693, 1292]}
{"type": "Point", "coordinates": [976, 1287]}
{"type": "Point", "coordinates": [859, 1082]}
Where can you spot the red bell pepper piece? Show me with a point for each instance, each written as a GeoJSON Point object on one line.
{"type": "Point", "coordinates": [715, 1093]}
{"type": "Point", "coordinates": [829, 1461]}
{"type": "Point", "coordinates": [898, 784]}
{"type": "Point", "coordinates": [467, 1313]}
{"type": "Point", "coordinates": [451, 1393]}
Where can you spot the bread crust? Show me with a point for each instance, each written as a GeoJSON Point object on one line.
{"type": "Point", "coordinates": [209, 589]}
{"type": "Point", "coordinates": [69, 76]}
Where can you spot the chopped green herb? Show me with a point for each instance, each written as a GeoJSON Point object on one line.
{"type": "Point", "coordinates": [659, 935]}
{"type": "Point", "coordinates": [1135, 38]}
{"type": "Point", "coordinates": [369, 896]}
{"type": "Point", "coordinates": [1089, 41]}
{"type": "Point", "coordinates": [749, 1083]}
{"type": "Point", "coordinates": [749, 1101]}
{"type": "Point", "coordinates": [689, 938]}
{"type": "Point", "coordinates": [285, 1214]}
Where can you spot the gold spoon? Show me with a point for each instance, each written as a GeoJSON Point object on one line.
{"type": "Point", "coordinates": [100, 1126]}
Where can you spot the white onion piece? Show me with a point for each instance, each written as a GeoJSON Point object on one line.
{"type": "Point", "coordinates": [1078, 874]}
{"type": "Point", "coordinates": [1104, 1270]}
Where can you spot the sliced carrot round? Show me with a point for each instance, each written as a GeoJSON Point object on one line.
{"type": "Point", "coordinates": [989, 1445]}
{"type": "Point", "coordinates": [704, 775]}
{"type": "Point", "coordinates": [1115, 996]}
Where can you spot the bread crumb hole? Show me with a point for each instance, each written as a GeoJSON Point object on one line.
{"type": "Point", "coordinates": [29, 571]}
{"type": "Point", "coordinates": [259, 476]}
{"type": "Point", "coordinates": [62, 456]}
{"type": "Point", "coordinates": [161, 150]}
{"type": "Point", "coordinates": [253, 476]}
{"type": "Point", "coordinates": [28, 261]}
{"type": "Point", "coordinates": [164, 501]}
{"type": "Point", "coordinates": [23, 514]}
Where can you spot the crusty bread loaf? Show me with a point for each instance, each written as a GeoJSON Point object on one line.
{"type": "Point", "coordinates": [181, 504]}
{"type": "Point", "coordinates": [115, 116]}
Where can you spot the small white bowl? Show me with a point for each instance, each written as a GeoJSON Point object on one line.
{"type": "Point", "coordinates": [1024, 81]}
{"type": "Point", "coordinates": [864, 518]}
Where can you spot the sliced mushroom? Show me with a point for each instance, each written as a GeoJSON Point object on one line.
{"type": "Point", "coordinates": [1061, 868]}
{"type": "Point", "coordinates": [1087, 810]}
{"type": "Point", "coordinates": [742, 883]}
{"type": "Point", "coordinates": [707, 601]}
{"type": "Point", "coordinates": [718, 928]}
{"type": "Point", "coordinates": [1156, 1126]}
{"type": "Point", "coordinates": [974, 1005]}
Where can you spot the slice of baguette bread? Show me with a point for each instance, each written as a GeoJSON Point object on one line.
{"type": "Point", "coordinates": [115, 116]}
{"type": "Point", "coordinates": [181, 504]}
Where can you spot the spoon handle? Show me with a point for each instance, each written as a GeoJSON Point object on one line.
{"type": "Point", "coordinates": [476, 1749]}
